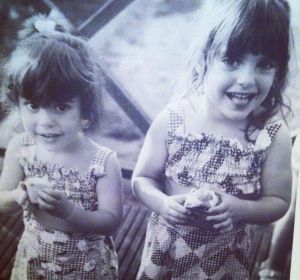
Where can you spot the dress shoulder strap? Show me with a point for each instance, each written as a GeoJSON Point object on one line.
{"type": "Point", "coordinates": [27, 147]}
{"type": "Point", "coordinates": [267, 135]}
{"type": "Point", "coordinates": [273, 128]}
{"type": "Point", "coordinates": [26, 140]}
{"type": "Point", "coordinates": [98, 163]}
{"type": "Point", "coordinates": [176, 118]}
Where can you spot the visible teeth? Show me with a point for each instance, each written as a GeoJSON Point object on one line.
{"type": "Point", "coordinates": [240, 95]}
{"type": "Point", "coordinates": [49, 135]}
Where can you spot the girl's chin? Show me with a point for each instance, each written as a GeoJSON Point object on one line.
{"type": "Point", "coordinates": [237, 116]}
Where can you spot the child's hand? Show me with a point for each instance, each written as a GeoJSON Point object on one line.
{"type": "Point", "coordinates": [227, 213]}
{"type": "Point", "coordinates": [20, 194]}
{"type": "Point", "coordinates": [174, 212]}
{"type": "Point", "coordinates": [55, 203]}
{"type": "Point", "coordinates": [21, 197]}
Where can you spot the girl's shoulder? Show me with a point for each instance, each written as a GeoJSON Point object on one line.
{"type": "Point", "coordinates": [274, 131]}
{"type": "Point", "coordinates": [274, 125]}
{"type": "Point", "coordinates": [21, 140]}
{"type": "Point", "coordinates": [98, 148]}
{"type": "Point", "coordinates": [160, 125]}
{"type": "Point", "coordinates": [101, 157]}
{"type": "Point", "coordinates": [176, 107]}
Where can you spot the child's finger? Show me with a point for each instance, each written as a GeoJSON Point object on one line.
{"type": "Point", "coordinates": [229, 228]}
{"type": "Point", "coordinates": [22, 185]}
{"type": "Point", "coordinates": [180, 208]}
{"type": "Point", "coordinates": [224, 225]}
{"type": "Point", "coordinates": [217, 218]}
{"type": "Point", "coordinates": [44, 205]}
{"type": "Point", "coordinates": [27, 210]}
{"type": "Point", "coordinates": [53, 193]}
{"type": "Point", "coordinates": [183, 218]}
{"type": "Point", "coordinates": [44, 196]}
{"type": "Point", "coordinates": [180, 198]}
{"type": "Point", "coordinates": [218, 209]}
{"type": "Point", "coordinates": [176, 221]}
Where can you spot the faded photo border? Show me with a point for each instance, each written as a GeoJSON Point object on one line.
{"type": "Point", "coordinates": [137, 47]}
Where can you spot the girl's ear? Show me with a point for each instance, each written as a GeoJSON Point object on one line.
{"type": "Point", "coordinates": [85, 124]}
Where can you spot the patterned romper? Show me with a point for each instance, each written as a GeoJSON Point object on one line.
{"type": "Point", "coordinates": [44, 253]}
{"type": "Point", "coordinates": [190, 252]}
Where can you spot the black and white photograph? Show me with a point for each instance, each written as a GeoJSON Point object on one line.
{"type": "Point", "coordinates": [149, 140]}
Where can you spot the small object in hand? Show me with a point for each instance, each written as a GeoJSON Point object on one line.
{"type": "Point", "coordinates": [34, 185]}
{"type": "Point", "coordinates": [202, 200]}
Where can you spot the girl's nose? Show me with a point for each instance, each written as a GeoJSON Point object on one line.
{"type": "Point", "coordinates": [246, 77]}
{"type": "Point", "coordinates": [46, 118]}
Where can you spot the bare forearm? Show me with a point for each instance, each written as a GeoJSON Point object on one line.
{"type": "Point", "coordinates": [148, 192]}
{"type": "Point", "coordinates": [101, 221]}
{"type": "Point", "coordinates": [263, 211]}
{"type": "Point", "coordinates": [8, 204]}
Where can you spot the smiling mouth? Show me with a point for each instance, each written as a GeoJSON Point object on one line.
{"type": "Point", "coordinates": [240, 98]}
{"type": "Point", "coordinates": [49, 135]}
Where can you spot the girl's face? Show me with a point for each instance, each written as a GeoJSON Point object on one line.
{"type": "Point", "coordinates": [234, 88]}
{"type": "Point", "coordinates": [55, 127]}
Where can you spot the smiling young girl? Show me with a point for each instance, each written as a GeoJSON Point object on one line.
{"type": "Point", "coordinates": [53, 80]}
{"type": "Point", "coordinates": [226, 136]}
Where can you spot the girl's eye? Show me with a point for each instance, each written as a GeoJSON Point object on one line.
{"type": "Point", "coordinates": [267, 64]}
{"type": "Point", "coordinates": [62, 107]}
{"type": "Point", "coordinates": [230, 62]}
{"type": "Point", "coordinates": [32, 106]}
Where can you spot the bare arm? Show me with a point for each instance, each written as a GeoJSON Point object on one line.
{"type": "Point", "coordinates": [110, 202]}
{"type": "Point", "coordinates": [148, 173]}
{"type": "Point", "coordinates": [276, 182]}
{"type": "Point", "coordinates": [276, 189]}
{"type": "Point", "coordinates": [147, 181]}
{"type": "Point", "coordinates": [110, 197]}
{"type": "Point", "coordinates": [12, 173]}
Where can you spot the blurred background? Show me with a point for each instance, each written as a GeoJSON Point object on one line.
{"type": "Point", "coordinates": [141, 45]}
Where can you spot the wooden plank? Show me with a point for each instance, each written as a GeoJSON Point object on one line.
{"type": "Point", "coordinates": [128, 227]}
{"type": "Point", "coordinates": [128, 250]}
{"type": "Point", "coordinates": [5, 274]}
{"type": "Point", "coordinates": [9, 231]}
{"type": "Point", "coordinates": [9, 245]}
{"type": "Point", "coordinates": [132, 257]}
{"type": "Point", "coordinates": [102, 16]}
{"type": "Point", "coordinates": [3, 220]}
{"type": "Point", "coordinates": [255, 243]}
{"type": "Point", "coordinates": [260, 248]}
{"type": "Point", "coordinates": [132, 272]}
{"type": "Point", "coordinates": [127, 222]}
{"type": "Point", "coordinates": [130, 106]}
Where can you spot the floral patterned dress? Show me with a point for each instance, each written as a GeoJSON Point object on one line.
{"type": "Point", "coordinates": [195, 160]}
{"type": "Point", "coordinates": [44, 253]}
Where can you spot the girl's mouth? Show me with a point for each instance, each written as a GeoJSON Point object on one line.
{"type": "Point", "coordinates": [239, 98]}
{"type": "Point", "coordinates": [49, 135]}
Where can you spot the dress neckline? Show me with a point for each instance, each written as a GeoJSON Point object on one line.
{"type": "Point", "coordinates": [64, 169]}
{"type": "Point", "coordinates": [261, 142]}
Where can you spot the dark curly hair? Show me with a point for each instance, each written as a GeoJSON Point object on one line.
{"type": "Point", "coordinates": [52, 67]}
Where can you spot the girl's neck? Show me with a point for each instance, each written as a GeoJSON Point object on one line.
{"type": "Point", "coordinates": [77, 155]}
{"type": "Point", "coordinates": [207, 119]}
{"type": "Point", "coordinates": [214, 117]}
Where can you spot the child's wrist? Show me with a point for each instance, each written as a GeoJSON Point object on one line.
{"type": "Point", "coordinates": [162, 206]}
{"type": "Point", "coordinates": [244, 210]}
{"type": "Point", "coordinates": [70, 213]}
{"type": "Point", "coordinates": [15, 196]}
